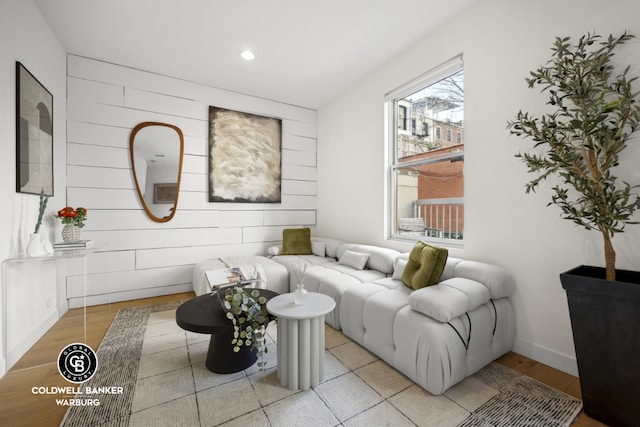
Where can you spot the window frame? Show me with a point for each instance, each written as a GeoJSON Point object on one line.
{"type": "Point", "coordinates": [402, 119]}
{"type": "Point", "coordinates": [440, 72]}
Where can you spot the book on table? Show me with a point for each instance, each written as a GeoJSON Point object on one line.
{"type": "Point", "coordinates": [78, 244]}
{"type": "Point", "coordinates": [224, 277]}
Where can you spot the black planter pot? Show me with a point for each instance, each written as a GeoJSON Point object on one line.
{"type": "Point", "coordinates": [605, 319]}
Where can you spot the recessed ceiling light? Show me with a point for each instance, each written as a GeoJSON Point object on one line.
{"type": "Point", "coordinates": [248, 55]}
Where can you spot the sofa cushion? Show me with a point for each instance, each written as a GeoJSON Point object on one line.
{"type": "Point", "coordinates": [353, 259]}
{"type": "Point", "coordinates": [318, 248]}
{"type": "Point", "coordinates": [449, 299]}
{"type": "Point", "coordinates": [380, 258]}
{"type": "Point", "coordinates": [425, 265]}
{"type": "Point", "coordinates": [330, 245]}
{"type": "Point", "coordinates": [398, 268]}
{"type": "Point", "coordinates": [274, 250]}
{"type": "Point", "coordinates": [296, 241]}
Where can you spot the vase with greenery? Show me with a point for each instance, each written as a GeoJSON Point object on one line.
{"type": "Point", "coordinates": [299, 272]}
{"type": "Point", "coordinates": [39, 243]}
{"type": "Point", "coordinates": [247, 310]}
{"type": "Point", "coordinates": [592, 116]}
{"type": "Point", "coordinates": [44, 199]}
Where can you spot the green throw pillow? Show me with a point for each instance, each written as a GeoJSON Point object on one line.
{"type": "Point", "coordinates": [425, 265]}
{"type": "Point", "coordinates": [296, 241]}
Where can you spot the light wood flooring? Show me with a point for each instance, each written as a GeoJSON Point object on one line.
{"type": "Point", "coordinates": [37, 368]}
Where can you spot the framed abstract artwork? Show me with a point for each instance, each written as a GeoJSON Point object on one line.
{"type": "Point", "coordinates": [244, 157]}
{"type": "Point", "coordinates": [34, 134]}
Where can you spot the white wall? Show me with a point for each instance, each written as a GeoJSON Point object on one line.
{"type": "Point", "coordinates": [138, 257]}
{"type": "Point", "coordinates": [502, 41]}
{"type": "Point", "coordinates": [31, 290]}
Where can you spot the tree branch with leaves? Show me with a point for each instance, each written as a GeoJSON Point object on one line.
{"type": "Point", "coordinates": [595, 116]}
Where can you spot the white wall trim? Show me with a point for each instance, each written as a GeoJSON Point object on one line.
{"type": "Point", "coordinates": [562, 362]}
{"type": "Point", "coordinates": [140, 258]}
{"type": "Point", "coordinates": [17, 351]}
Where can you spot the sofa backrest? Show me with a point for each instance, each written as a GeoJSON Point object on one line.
{"type": "Point", "coordinates": [498, 280]}
{"type": "Point", "coordinates": [330, 245]}
{"type": "Point", "coordinates": [380, 258]}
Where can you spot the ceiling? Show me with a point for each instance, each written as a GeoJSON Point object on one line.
{"type": "Point", "coordinates": [307, 52]}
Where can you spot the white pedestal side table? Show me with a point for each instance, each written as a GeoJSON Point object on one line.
{"type": "Point", "coordinates": [300, 338]}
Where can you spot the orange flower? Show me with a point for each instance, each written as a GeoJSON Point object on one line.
{"type": "Point", "coordinates": [71, 216]}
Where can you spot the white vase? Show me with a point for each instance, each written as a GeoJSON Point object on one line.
{"type": "Point", "coordinates": [300, 295]}
{"type": "Point", "coordinates": [70, 233]}
{"type": "Point", "coordinates": [39, 244]}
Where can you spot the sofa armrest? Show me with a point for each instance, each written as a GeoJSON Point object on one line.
{"type": "Point", "coordinates": [449, 299]}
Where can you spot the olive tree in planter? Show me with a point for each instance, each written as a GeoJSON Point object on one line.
{"type": "Point", "coordinates": [595, 112]}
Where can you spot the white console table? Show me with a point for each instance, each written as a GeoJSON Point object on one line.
{"type": "Point", "coordinates": [59, 259]}
{"type": "Point", "coordinates": [300, 338]}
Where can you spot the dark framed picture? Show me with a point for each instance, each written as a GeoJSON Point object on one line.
{"type": "Point", "coordinates": [244, 157]}
{"type": "Point", "coordinates": [164, 193]}
{"type": "Point", "coordinates": [34, 134]}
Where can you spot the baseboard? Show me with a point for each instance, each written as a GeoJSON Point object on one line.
{"type": "Point", "coordinates": [14, 354]}
{"type": "Point", "coordinates": [562, 362]}
{"type": "Point", "coordinates": [128, 295]}
{"type": "Point", "coordinates": [3, 367]}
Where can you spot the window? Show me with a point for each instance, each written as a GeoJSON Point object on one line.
{"type": "Point", "coordinates": [425, 181]}
{"type": "Point", "coordinates": [402, 117]}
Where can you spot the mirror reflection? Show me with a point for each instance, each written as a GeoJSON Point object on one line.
{"type": "Point", "coordinates": [156, 156]}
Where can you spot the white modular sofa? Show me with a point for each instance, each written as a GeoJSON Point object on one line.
{"type": "Point", "coordinates": [436, 335]}
{"type": "Point", "coordinates": [327, 275]}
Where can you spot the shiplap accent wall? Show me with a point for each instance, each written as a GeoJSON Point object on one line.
{"type": "Point", "coordinates": [136, 257]}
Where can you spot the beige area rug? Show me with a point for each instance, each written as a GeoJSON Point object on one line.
{"type": "Point", "coordinates": [161, 369]}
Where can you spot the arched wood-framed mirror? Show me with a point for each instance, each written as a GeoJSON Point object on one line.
{"type": "Point", "coordinates": [156, 151]}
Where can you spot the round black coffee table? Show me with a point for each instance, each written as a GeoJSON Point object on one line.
{"type": "Point", "coordinates": [205, 315]}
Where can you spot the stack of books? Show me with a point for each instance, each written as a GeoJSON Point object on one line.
{"type": "Point", "coordinates": [222, 278]}
{"type": "Point", "coordinates": [72, 246]}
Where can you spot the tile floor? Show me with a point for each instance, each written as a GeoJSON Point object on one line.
{"type": "Point", "coordinates": [175, 388]}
